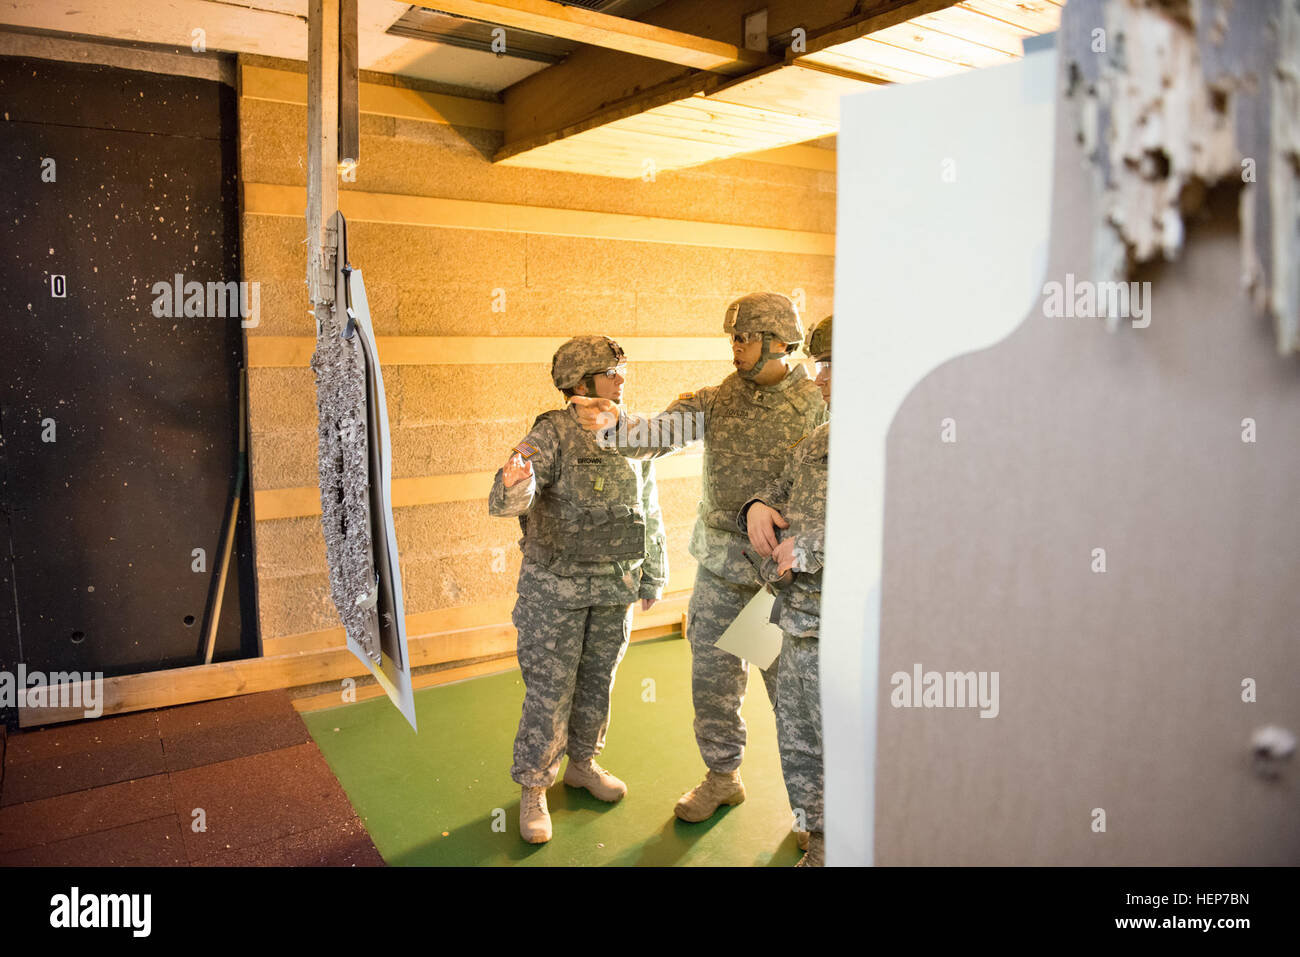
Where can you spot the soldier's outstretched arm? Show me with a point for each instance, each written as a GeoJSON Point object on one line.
{"type": "Point", "coordinates": [654, 574]}
{"type": "Point", "coordinates": [529, 469]}
{"type": "Point", "coordinates": [684, 422]}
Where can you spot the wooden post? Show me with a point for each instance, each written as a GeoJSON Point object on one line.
{"type": "Point", "coordinates": [322, 155]}
{"type": "Point", "coordinates": [349, 143]}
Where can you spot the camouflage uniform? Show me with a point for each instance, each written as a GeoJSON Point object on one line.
{"type": "Point", "coordinates": [748, 431]}
{"type": "Point", "coordinates": [593, 543]}
{"type": "Point", "coordinates": [800, 496]}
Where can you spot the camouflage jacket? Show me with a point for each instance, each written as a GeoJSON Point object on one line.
{"type": "Point", "coordinates": [800, 496]}
{"type": "Point", "coordinates": [584, 500]}
{"type": "Point", "coordinates": [748, 431]}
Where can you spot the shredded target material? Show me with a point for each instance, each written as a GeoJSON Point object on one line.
{"type": "Point", "coordinates": [344, 460]}
{"type": "Point", "coordinates": [1174, 97]}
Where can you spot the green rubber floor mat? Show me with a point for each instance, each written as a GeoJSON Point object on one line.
{"type": "Point", "coordinates": [444, 796]}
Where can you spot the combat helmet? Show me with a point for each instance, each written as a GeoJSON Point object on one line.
{"type": "Point", "coordinates": [819, 340]}
{"type": "Point", "coordinates": [772, 314]}
{"type": "Point", "coordinates": [581, 358]}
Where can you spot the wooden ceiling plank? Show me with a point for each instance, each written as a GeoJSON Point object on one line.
{"type": "Point", "coordinates": [641, 153]}
{"type": "Point", "coordinates": [863, 24]}
{"type": "Point", "coordinates": [606, 156]}
{"type": "Point", "coordinates": [963, 52]}
{"type": "Point", "coordinates": [614, 33]}
{"type": "Point", "coordinates": [611, 151]}
{"type": "Point", "coordinates": [681, 123]}
{"type": "Point", "coordinates": [976, 27]}
{"type": "Point", "coordinates": [848, 64]}
{"type": "Point", "coordinates": [671, 92]}
{"type": "Point", "coordinates": [875, 54]}
{"type": "Point", "coordinates": [1037, 16]}
{"type": "Point", "coordinates": [701, 130]}
{"type": "Point", "coordinates": [792, 90]}
{"type": "Point", "coordinates": [733, 117]}
{"type": "Point", "coordinates": [780, 123]}
{"type": "Point", "coordinates": [592, 80]}
{"type": "Point", "coordinates": [632, 148]}
{"type": "Point", "coordinates": [715, 102]}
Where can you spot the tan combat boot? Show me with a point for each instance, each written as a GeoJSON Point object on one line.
{"type": "Point", "coordinates": [816, 854]}
{"type": "Point", "coordinates": [534, 818]}
{"type": "Point", "coordinates": [717, 789]}
{"type": "Point", "coordinates": [590, 775]}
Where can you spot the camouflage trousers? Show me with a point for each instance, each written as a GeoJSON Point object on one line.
{"type": "Point", "coordinates": [799, 729]}
{"type": "Point", "coordinates": [718, 679]}
{"type": "Point", "coordinates": [568, 657]}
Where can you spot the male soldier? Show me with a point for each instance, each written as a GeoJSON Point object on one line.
{"type": "Point", "coordinates": [750, 421]}
{"type": "Point", "coordinates": [797, 503]}
{"type": "Point", "coordinates": [593, 543]}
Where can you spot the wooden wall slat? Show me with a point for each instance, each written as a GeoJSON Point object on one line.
{"type": "Point", "coordinates": [281, 86]}
{"type": "Point", "coordinates": [267, 199]}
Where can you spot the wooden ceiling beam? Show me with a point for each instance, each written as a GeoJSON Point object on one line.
{"type": "Point", "coordinates": [613, 33]}
{"type": "Point", "coordinates": [594, 85]}
{"type": "Point", "coordinates": [880, 15]}
{"type": "Point", "coordinates": [594, 81]}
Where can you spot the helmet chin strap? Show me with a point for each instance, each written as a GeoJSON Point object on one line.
{"type": "Point", "coordinates": [766, 355]}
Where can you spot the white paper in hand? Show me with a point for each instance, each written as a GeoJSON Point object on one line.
{"type": "Point", "coordinates": [751, 636]}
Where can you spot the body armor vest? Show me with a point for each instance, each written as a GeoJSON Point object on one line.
{"type": "Point", "coordinates": [750, 434]}
{"type": "Point", "coordinates": [593, 511]}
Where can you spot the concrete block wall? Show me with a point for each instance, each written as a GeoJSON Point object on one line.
{"type": "Point", "coordinates": [450, 419]}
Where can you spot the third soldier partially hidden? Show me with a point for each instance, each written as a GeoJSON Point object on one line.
{"type": "Point", "coordinates": [786, 521]}
{"type": "Point", "coordinates": [593, 544]}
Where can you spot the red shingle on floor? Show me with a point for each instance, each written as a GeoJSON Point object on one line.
{"type": "Point", "coordinates": [212, 731]}
{"type": "Point", "coordinates": [86, 754]}
{"type": "Point", "coordinates": [258, 798]}
{"type": "Point", "coordinates": [84, 812]}
{"type": "Point", "coordinates": [124, 791]}
{"type": "Point", "coordinates": [335, 845]}
{"type": "Point", "coordinates": [154, 843]}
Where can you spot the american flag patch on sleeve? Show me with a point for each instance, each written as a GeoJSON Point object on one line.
{"type": "Point", "coordinates": [525, 450]}
{"type": "Point", "coordinates": [686, 395]}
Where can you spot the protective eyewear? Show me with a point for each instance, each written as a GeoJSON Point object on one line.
{"type": "Point", "coordinates": [618, 370]}
{"type": "Point", "coordinates": [745, 338]}
{"type": "Point", "coordinates": [823, 365]}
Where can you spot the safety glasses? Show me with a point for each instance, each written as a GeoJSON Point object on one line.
{"type": "Point", "coordinates": [619, 370]}
{"type": "Point", "coordinates": [822, 365]}
{"type": "Point", "coordinates": [745, 338]}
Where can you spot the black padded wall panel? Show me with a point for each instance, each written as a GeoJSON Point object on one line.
{"type": "Point", "coordinates": [120, 447]}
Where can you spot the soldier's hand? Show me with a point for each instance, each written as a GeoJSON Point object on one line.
{"type": "Point", "coordinates": [595, 414]}
{"type": "Point", "coordinates": [783, 555]}
{"type": "Point", "coordinates": [648, 603]}
{"type": "Point", "coordinates": [762, 521]}
{"type": "Point", "coordinates": [516, 470]}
